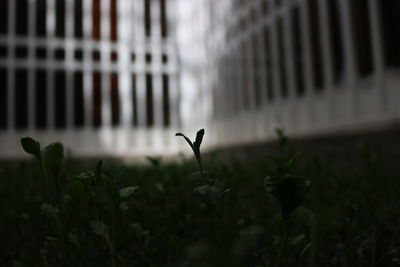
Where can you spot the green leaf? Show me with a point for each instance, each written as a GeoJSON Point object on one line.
{"type": "Point", "coordinates": [53, 156]}
{"type": "Point", "coordinates": [73, 237]}
{"type": "Point", "coordinates": [31, 146]}
{"type": "Point", "coordinates": [199, 138]}
{"type": "Point", "coordinates": [101, 229]}
{"type": "Point", "coordinates": [187, 139]}
{"type": "Point", "coordinates": [127, 191]}
{"type": "Point", "coordinates": [290, 191]}
{"type": "Point", "coordinates": [85, 175]}
{"type": "Point", "coordinates": [269, 184]}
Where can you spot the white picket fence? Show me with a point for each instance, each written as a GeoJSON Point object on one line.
{"type": "Point", "coordinates": [337, 49]}
{"type": "Point", "coordinates": [134, 57]}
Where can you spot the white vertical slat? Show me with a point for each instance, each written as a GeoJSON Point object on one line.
{"type": "Point", "coordinates": [377, 49]}
{"type": "Point", "coordinates": [69, 50]}
{"type": "Point", "coordinates": [137, 19]}
{"type": "Point", "coordinates": [124, 28]}
{"type": "Point", "coordinates": [31, 71]}
{"type": "Point", "coordinates": [87, 71]}
{"type": "Point", "coordinates": [261, 66]}
{"type": "Point", "coordinates": [277, 111]}
{"type": "Point", "coordinates": [141, 98]}
{"type": "Point", "coordinates": [158, 97]}
{"type": "Point", "coordinates": [274, 55]}
{"type": "Point", "coordinates": [156, 63]}
{"type": "Point", "coordinates": [349, 57]}
{"type": "Point", "coordinates": [11, 67]}
{"type": "Point", "coordinates": [308, 75]}
{"type": "Point", "coordinates": [155, 15]}
{"type": "Point", "coordinates": [239, 74]}
{"type": "Point", "coordinates": [250, 70]}
{"type": "Point", "coordinates": [289, 65]}
{"type": "Point", "coordinates": [105, 62]}
{"type": "Point", "coordinates": [50, 58]}
{"type": "Point", "coordinates": [326, 54]}
{"type": "Point", "coordinates": [174, 97]}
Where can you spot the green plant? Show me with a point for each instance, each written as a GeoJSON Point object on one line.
{"type": "Point", "coordinates": [50, 160]}
{"type": "Point", "coordinates": [288, 188]}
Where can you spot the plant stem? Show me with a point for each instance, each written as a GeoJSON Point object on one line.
{"type": "Point", "coordinates": [45, 178]}
{"type": "Point", "coordinates": [114, 234]}
{"type": "Point", "coordinates": [61, 216]}
{"type": "Point", "coordinates": [47, 225]}
{"type": "Point", "coordinates": [42, 238]}
{"type": "Point", "coordinates": [285, 229]}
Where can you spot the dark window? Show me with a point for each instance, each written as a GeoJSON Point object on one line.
{"type": "Point", "coordinates": [41, 53]}
{"type": "Point", "coordinates": [164, 59]}
{"type": "Point", "coordinates": [268, 64]}
{"type": "Point", "coordinates": [114, 56]}
{"type": "Point", "coordinates": [115, 105]}
{"type": "Point", "coordinates": [134, 102]}
{"type": "Point", "coordinates": [79, 117]}
{"type": "Point", "coordinates": [390, 10]}
{"type": "Point", "coordinates": [3, 17]}
{"type": "Point", "coordinates": [60, 18]}
{"type": "Point", "coordinates": [265, 7]}
{"type": "Point", "coordinates": [149, 100]}
{"type": "Point", "coordinates": [282, 58]}
{"type": "Point", "coordinates": [133, 57]}
{"type": "Point", "coordinates": [361, 36]}
{"type": "Point", "coordinates": [21, 98]}
{"type": "Point", "coordinates": [256, 71]}
{"type": "Point", "coordinates": [21, 52]}
{"type": "Point", "coordinates": [166, 106]}
{"type": "Point", "coordinates": [78, 55]}
{"type": "Point", "coordinates": [3, 98]}
{"type": "Point", "coordinates": [59, 54]}
{"type": "Point", "coordinates": [164, 21]}
{"type": "Point", "coordinates": [147, 17]}
{"type": "Point", "coordinates": [3, 51]}
{"type": "Point", "coordinates": [148, 58]}
{"type": "Point", "coordinates": [41, 99]}
{"type": "Point", "coordinates": [336, 40]}
{"type": "Point", "coordinates": [78, 19]}
{"type": "Point", "coordinates": [113, 20]}
{"type": "Point", "coordinates": [60, 103]}
{"type": "Point", "coordinates": [41, 15]}
{"type": "Point", "coordinates": [316, 49]}
{"type": "Point", "coordinates": [96, 20]}
{"type": "Point", "coordinates": [21, 17]}
{"type": "Point", "coordinates": [96, 99]}
{"type": "Point", "coordinates": [297, 51]}
{"type": "Point", "coordinates": [96, 55]}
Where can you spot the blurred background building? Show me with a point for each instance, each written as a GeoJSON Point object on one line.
{"type": "Point", "coordinates": [120, 77]}
{"type": "Point", "coordinates": [312, 67]}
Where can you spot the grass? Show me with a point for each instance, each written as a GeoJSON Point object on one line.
{"type": "Point", "coordinates": [280, 210]}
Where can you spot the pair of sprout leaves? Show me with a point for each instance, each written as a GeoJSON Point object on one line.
{"type": "Point", "coordinates": [287, 188]}
{"type": "Point", "coordinates": [208, 189]}
{"type": "Point", "coordinates": [51, 158]}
